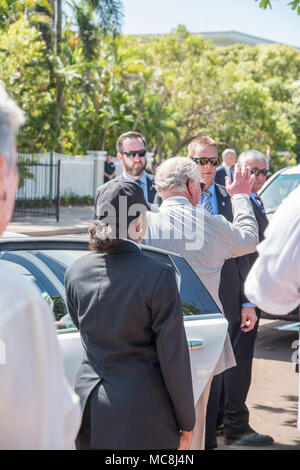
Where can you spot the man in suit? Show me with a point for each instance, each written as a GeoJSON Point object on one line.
{"type": "Point", "coordinates": [237, 430]}
{"type": "Point", "coordinates": [205, 241]}
{"type": "Point", "coordinates": [135, 381]}
{"type": "Point", "coordinates": [131, 151]}
{"type": "Point", "coordinates": [240, 314]}
{"type": "Point", "coordinates": [226, 169]}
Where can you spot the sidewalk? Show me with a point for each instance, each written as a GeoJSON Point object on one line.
{"type": "Point", "coordinates": [73, 220]}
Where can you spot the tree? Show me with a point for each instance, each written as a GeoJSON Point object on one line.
{"type": "Point", "coordinates": [295, 4]}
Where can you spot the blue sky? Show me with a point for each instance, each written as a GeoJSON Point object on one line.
{"type": "Point", "coordinates": [161, 16]}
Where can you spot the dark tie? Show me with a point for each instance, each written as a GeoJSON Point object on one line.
{"type": "Point", "coordinates": [260, 203]}
{"type": "Point", "coordinates": [231, 173]}
{"type": "Point", "coordinates": [207, 202]}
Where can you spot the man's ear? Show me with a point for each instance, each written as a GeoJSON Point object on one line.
{"type": "Point", "coordinates": [120, 157]}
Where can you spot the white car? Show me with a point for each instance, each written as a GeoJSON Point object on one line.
{"type": "Point", "coordinates": [278, 187]}
{"type": "Point", "coordinates": [273, 192]}
{"type": "Point", "coordinates": [44, 261]}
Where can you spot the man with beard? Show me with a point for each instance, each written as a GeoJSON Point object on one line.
{"type": "Point", "coordinates": [131, 151]}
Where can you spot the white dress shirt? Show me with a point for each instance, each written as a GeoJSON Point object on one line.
{"type": "Point", "coordinates": [38, 409]}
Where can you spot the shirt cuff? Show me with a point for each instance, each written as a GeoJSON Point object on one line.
{"type": "Point", "coordinates": [248, 304]}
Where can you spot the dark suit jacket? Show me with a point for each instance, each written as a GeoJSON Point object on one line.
{"type": "Point", "coordinates": [136, 367]}
{"type": "Point", "coordinates": [150, 187]}
{"type": "Point", "coordinates": [220, 175]}
{"type": "Point", "coordinates": [235, 270]}
{"type": "Point", "coordinates": [230, 283]}
{"type": "Point", "coordinates": [245, 262]}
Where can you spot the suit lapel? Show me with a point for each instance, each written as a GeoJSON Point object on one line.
{"type": "Point", "coordinates": [151, 188]}
{"type": "Point", "coordinates": [224, 202]}
{"type": "Point", "coordinates": [261, 218]}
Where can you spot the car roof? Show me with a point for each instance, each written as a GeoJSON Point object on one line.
{"type": "Point", "coordinates": [43, 243]}
{"type": "Point", "coordinates": [291, 170]}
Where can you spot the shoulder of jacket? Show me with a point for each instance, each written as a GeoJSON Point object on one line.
{"type": "Point", "coordinates": [222, 190]}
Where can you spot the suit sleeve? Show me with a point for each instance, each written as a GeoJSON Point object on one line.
{"type": "Point", "coordinates": [240, 237]}
{"type": "Point", "coordinates": [172, 348]}
{"type": "Point", "coordinates": [70, 303]}
{"type": "Point", "coordinates": [244, 264]}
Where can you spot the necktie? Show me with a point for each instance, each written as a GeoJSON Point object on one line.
{"type": "Point", "coordinates": [231, 173]}
{"type": "Point", "coordinates": [207, 202]}
{"type": "Point", "coordinates": [260, 203]}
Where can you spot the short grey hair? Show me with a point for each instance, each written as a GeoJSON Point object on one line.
{"type": "Point", "coordinates": [252, 155]}
{"type": "Point", "coordinates": [11, 119]}
{"type": "Point", "coordinates": [175, 172]}
{"type": "Point", "coordinates": [227, 152]}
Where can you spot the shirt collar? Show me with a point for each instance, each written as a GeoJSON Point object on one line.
{"type": "Point", "coordinates": [212, 188]}
{"type": "Point", "coordinates": [175, 199]}
{"type": "Point", "coordinates": [226, 166]}
{"type": "Point", "coordinates": [142, 178]}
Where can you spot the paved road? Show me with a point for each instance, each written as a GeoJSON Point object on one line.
{"type": "Point", "coordinates": [273, 396]}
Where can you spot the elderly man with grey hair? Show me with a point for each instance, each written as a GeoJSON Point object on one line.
{"type": "Point", "coordinates": [237, 430]}
{"type": "Point", "coordinates": [204, 240]}
{"type": "Point", "coordinates": [38, 409]}
{"type": "Point", "coordinates": [227, 167]}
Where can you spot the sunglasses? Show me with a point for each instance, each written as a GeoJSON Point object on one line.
{"type": "Point", "coordinates": [202, 161]}
{"type": "Point", "coordinates": [257, 172]}
{"type": "Point", "coordinates": [202, 184]}
{"type": "Point", "coordinates": [132, 154]}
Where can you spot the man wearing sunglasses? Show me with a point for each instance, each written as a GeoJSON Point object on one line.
{"type": "Point", "coordinates": [205, 241]}
{"type": "Point", "coordinates": [241, 315]}
{"type": "Point", "coordinates": [237, 382]}
{"type": "Point", "coordinates": [131, 151]}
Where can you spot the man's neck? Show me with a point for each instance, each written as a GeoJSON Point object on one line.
{"type": "Point", "coordinates": [168, 194]}
{"type": "Point", "coordinates": [207, 188]}
{"type": "Point", "coordinates": [132, 176]}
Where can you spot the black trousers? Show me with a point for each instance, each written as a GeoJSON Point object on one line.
{"type": "Point", "coordinates": [229, 390]}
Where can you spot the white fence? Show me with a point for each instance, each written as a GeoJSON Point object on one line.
{"type": "Point", "coordinates": [77, 175]}
{"type": "Point", "coordinates": [80, 175]}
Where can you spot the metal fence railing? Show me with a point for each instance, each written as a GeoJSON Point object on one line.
{"type": "Point", "coordinates": [39, 192]}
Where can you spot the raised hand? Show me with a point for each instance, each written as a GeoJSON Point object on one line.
{"type": "Point", "coordinates": [242, 181]}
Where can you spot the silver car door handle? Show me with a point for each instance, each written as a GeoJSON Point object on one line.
{"type": "Point", "coordinates": [196, 344]}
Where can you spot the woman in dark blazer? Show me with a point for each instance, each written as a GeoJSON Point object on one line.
{"type": "Point", "coordinates": [134, 381]}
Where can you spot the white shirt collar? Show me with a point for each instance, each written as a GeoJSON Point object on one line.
{"type": "Point", "coordinates": [174, 199]}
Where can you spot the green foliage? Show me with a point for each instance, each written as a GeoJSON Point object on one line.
{"type": "Point", "coordinates": [294, 4]}
{"type": "Point", "coordinates": [97, 84]}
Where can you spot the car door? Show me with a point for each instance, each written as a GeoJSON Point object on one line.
{"type": "Point", "coordinates": [45, 262]}
{"type": "Point", "coordinates": [205, 326]}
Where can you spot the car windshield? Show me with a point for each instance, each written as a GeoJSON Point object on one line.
{"type": "Point", "coordinates": [278, 190]}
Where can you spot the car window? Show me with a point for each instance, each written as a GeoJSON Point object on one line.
{"type": "Point", "coordinates": [195, 298]}
{"type": "Point", "coordinates": [278, 190]}
{"type": "Point", "coordinates": [46, 268]}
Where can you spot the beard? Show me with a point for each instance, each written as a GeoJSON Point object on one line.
{"type": "Point", "coordinates": [134, 170]}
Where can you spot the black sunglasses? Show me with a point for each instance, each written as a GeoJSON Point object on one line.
{"type": "Point", "coordinates": [132, 153]}
{"type": "Point", "coordinates": [204, 161]}
{"type": "Point", "coordinates": [257, 172]}
{"type": "Point", "coordinates": [202, 184]}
